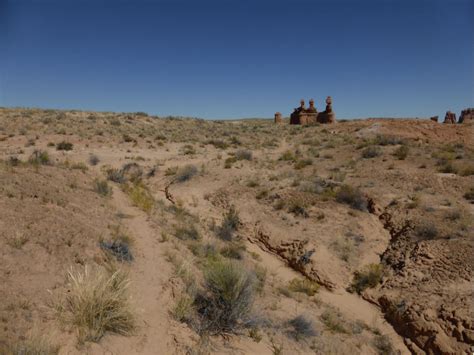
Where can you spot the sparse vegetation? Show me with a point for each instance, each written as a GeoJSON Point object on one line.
{"type": "Point", "coordinates": [302, 328]}
{"type": "Point", "coordinates": [64, 146]}
{"type": "Point", "coordinates": [186, 173]}
{"type": "Point", "coordinates": [102, 187]}
{"type": "Point", "coordinates": [352, 197]}
{"type": "Point", "coordinates": [369, 277]}
{"type": "Point", "coordinates": [305, 286]}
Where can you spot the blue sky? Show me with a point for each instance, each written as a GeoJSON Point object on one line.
{"type": "Point", "coordinates": [238, 58]}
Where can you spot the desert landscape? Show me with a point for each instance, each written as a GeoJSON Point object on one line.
{"type": "Point", "coordinates": [127, 233]}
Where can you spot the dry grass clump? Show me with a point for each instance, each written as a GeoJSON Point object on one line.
{"type": "Point", "coordinates": [187, 232]}
{"type": "Point", "coordinates": [33, 345]}
{"type": "Point", "coordinates": [384, 345]}
{"type": "Point", "coordinates": [306, 286]}
{"type": "Point", "coordinates": [243, 154]}
{"type": "Point", "coordinates": [334, 321]}
{"type": "Point", "coordinates": [469, 195]}
{"type": "Point", "coordinates": [303, 163]}
{"type": "Point", "coordinates": [140, 196]}
{"type": "Point", "coordinates": [370, 276]}
{"type": "Point", "coordinates": [94, 160]}
{"type": "Point", "coordinates": [352, 197]}
{"type": "Point", "coordinates": [96, 303]}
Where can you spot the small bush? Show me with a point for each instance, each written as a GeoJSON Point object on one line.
{"type": "Point", "coordinates": [287, 156]}
{"type": "Point", "coordinates": [96, 303]}
{"type": "Point", "coordinates": [371, 152]}
{"type": "Point", "coordinates": [401, 152]}
{"type": "Point", "coordinates": [387, 140]}
{"type": "Point", "coordinates": [184, 309]}
{"type": "Point", "coordinates": [447, 168]}
{"type": "Point", "coordinates": [467, 170]}
{"type": "Point", "coordinates": [227, 302]}
{"type": "Point", "coordinates": [185, 173]}
{"type": "Point", "coordinates": [383, 345]}
{"type": "Point", "coordinates": [243, 154]}
{"type": "Point", "coordinates": [230, 224]}
{"type": "Point", "coordinates": [102, 187]}
{"type": "Point", "coordinates": [39, 157]}
{"type": "Point", "coordinates": [93, 159]}
{"type": "Point", "coordinates": [302, 328]}
{"type": "Point", "coordinates": [233, 251]}
{"type": "Point", "coordinates": [303, 163]}
{"type": "Point", "coordinates": [229, 161]}
{"type": "Point", "coordinates": [368, 277]}
{"type": "Point", "coordinates": [352, 197]}
{"type": "Point", "coordinates": [187, 233]}
{"type": "Point", "coordinates": [306, 286]}
{"type": "Point", "coordinates": [334, 321]}
{"type": "Point", "coordinates": [218, 143]}
{"type": "Point", "coordinates": [469, 195]}
{"type": "Point", "coordinates": [116, 175]}
{"type": "Point", "coordinates": [64, 146]}
{"type": "Point", "coordinates": [426, 231]}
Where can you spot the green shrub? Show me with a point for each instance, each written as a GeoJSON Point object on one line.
{"type": "Point", "coordinates": [369, 277]}
{"type": "Point", "coordinates": [140, 196]}
{"type": "Point", "coordinates": [229, 294]}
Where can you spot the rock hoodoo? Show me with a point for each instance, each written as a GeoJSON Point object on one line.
{"type": "Point", "coordinates": [450, 117]}
{"type": "Point", "coordinates": [278, 118]}
{"type": "Point", "coordinates": [467, 115]}
{"type": "Point", "coordinates": [306, 116]}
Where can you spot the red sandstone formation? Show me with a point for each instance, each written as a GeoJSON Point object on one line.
{"type": "Point", "coordinates": [450, 117]}
{"type": "Point", "coordinates": [307, 116]}
{"type": "Point", "coordinates": [467, 115]}
{"type": "Point", "coordinates": [278, 118]}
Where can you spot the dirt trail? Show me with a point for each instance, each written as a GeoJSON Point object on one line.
{"type": "Point", "coordinates": [150, 293]}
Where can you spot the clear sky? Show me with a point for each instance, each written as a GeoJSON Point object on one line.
{"type": "Point", "coordinates": [239, 58]}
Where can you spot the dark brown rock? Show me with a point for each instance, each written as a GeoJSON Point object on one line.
{"type": "Point", "coordinates": [450, 117]}
{"type": "Point", "coordinates": [467, 115]}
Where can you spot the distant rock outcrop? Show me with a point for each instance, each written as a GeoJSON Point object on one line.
{"type": "Point", "coordinates": [467, 115]}
{"type": "Point", "coordinates": [306, 116]}
{"type": "Point", "coordinates": [434, 118]}
{"type": "Point", "coordinates": [278, 118]}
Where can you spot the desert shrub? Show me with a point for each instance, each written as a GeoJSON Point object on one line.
{"type": "Point", "coordinates": [298, 206]}
{"type": "Point", "coordinates": [102, 187]}
{"type": "Point", "coordinates": [371, 152]}
{"type": "Point", "coordinates": [230, 224]}
{"type": "Point", "coordinates": [469, 195]}
{"type": "Point", "coordinates": [369, 277]}
{"type": "Point", "coordinates": [287, 156]}
{"type": "Point", "coordinates": [302, 163]}
{"type": "Point", "coordinates": [116, 175]}
{"type": "Point", "coordinates": [387, 140]}
{"type": "Point", "coordinates": [306, 286]}
{"type": "Point", "coordinates": [185, 173]}
{"type": "Point", "coordinates": [13, 161]}
{"type": "Point", "coordinates": [33, 345]}
{"type": "Point", "coordinates": [383, 345]}
{"type": "Point", "coordinates": [401, 152]}
{"type": "Point", "coordinates": [64, 146]}
{"type": "Point", "coordinates": [187, 232]}
{"type": "Point", "coordinates": [426, 231]}
{"type": "Point", "coordinates": [447, 167]}
{"type": "Point", "coordinates": [127, 138]}
{"type": "Point", "coordinates": [233, 251]}
{"type": "Point", "coordinates": [301, 328]}
{"type": "Point", "coordinates": [93, 159]}
{"type": "Point", "coordinates": [352, 197]}
{"type": "Point", "coordinates": [119, 245]}
{"type": "Point", "coordinates": [39, 157]}
{"type": "Point", "coordinates": [140, 196]}
{"type": "Point", "coordinates": [228, 298]}
{"type": "Point", "coordinates": [96, 303]}
{"type": "Point", "coordinates": [467, 170]}
{"type": "Point", "coordinates": [243, 154]}
{"type": "Point", "coordinates": [217, 143]}
{"type": "Point", "coordinates": [334, 321]}
{"type": "Point", "coordinates": [229, 161]}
